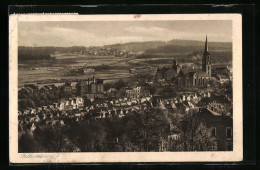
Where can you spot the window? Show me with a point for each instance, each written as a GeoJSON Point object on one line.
{"type": "Point", "coordinates": [229, 132]}
{"type": "Point", "coordinates": [213, 132]}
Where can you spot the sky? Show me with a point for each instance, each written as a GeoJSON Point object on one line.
{"type": "Point", "coordinates": [98, 33]}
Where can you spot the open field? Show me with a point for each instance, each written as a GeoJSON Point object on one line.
{"type": "Point", "coordinates": [110, 68]}
{"type": "Point", "coordinates": [118, 68]}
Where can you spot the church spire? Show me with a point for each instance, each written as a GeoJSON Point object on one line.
{"type": "Point", "coordinates": [206, 44]}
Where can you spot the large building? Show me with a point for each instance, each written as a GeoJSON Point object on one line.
{"type": "Point", "coordinates": [168, 74]}
{"type": "Point", "coordinates": [91, 89]}
{"type": "Point", "coordinates": [188, 77]}
{"type": "Point", "coordinates": [193, 77]}
{"type": "Point", "coordinates": [136, 92]}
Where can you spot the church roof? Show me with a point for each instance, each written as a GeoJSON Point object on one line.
{"type": "Point", "coordinates": [201, 73]}
{"type": "Point", "coordinates": [171, 69]}
{"type": "Point", "coordinates": [191, 72]}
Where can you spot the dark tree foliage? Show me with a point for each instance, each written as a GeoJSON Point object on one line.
{"type": "Point", "coordinates": [140, 131]}
{"type": "Point", "coordinates": [39, 98]}
{"type": "Point", "coordinates": [194, 136]}
{"type": "Point", "coordinates": [44, 53]}
{"type": "Point", "coordinates": [22, 104]}
{"type": "Point", "coordinates": [51, 139]}
{"type": "Point", "coordinates": [120, 84]}
{"type": "Point", "coordinates": [168, 91]}
{"type": "Point", "coordinates": [88, 135]}
{"type": "Point", "coordinates": [26, 144]}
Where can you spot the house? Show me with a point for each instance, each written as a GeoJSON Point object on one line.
{"type": "Point", "coordinates": [133, 93]}
{"type": "Point", "coordinates": [222, 78]}
{"type": "Point", "coordinates": [220, 69]}
{"type": "Point", "coordinates": [220, 104]}
{"type": "Point", "coordinates": [67, 87]}
{"type": "Point", "coordinates": [26, 112]}
{"type": "Point", "coordinates": [221, 128]}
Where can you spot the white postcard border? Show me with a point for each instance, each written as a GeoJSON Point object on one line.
{"type": "Point", "coordinates": [99, 157]}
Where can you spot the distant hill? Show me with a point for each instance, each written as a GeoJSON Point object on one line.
{"type": "Point", "coordinates": [185, 49]}
{"type": "Point", "coordinates": [43, 53]}
{"type": "Point", "coordinates": [173, 46]}
{"type": "Point", "coordinates": [190, 51]}
{"type": "Point", "coordinates": [138, 47]}
{"type": "Point", "coordinates": [188, 46]}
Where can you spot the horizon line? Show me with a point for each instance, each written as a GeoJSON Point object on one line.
{"type": "Point", "coordinates": [130, 42]}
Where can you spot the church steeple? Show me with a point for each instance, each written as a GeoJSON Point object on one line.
{"type": "Point", "coordinates": [206, 45]}
{"type": "Point", "coordinates": [206, 59]}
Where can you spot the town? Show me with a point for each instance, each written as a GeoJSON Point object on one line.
{"type": "Point", "coordinates": [148, 112]}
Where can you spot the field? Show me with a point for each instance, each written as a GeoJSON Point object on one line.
{"type": "Point", "coordinates": [111, 68]}
{"type": "Point", "coordinates": [55, 71]}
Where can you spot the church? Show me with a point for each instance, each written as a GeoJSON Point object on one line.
{"type": "Point", "coordinates": [168, 74]}
{"type": "Point", "coordinates": [197, 77]}
{"type": "Point", "coordinates": [188, 77]}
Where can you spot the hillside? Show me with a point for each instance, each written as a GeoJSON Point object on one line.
{"type": "Point", "coordinates": [190, 51]}
{"type": "Point", "coordinates": [44, 53]}
{"type": "Point", "coordinates": [138, 47]}
{"type": "Point", "coordinates": [185, 50]}
{"type": "Point", "coordinates": [173, 46]}
{"type": "Point", "coordinates": [187, 46]}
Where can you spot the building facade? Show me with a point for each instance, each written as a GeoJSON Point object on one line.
{"type": "Point", "coordinates": [221, 128]}
{"type": "Point", "coordinates": [168, 74]}
{"type": "Point", "coordinates": [198, 78]}
{"type": "Point", "coordinates": [91, 89]}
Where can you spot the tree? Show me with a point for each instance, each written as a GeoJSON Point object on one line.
{"type": "Point", "coordinates": [30, 103]}
{"type": "Point", "coordinates": [168, 91]}
{"type": "Point", "coordinates": [194, 136]}
{"type": "Point", "coordinates": [51, 139]}
{"type": "Point", "coordinates": [120, 84]}
{"type": "Point", "coordinates": [107, 86]}
{"type": "Point", "coordinates": [22, 104]}
{"type": "Point", "coordinates": [156, 128]}
{"type": "Point", "coordinates": [25, 144]}
{"type": "Point", "coordinates": [42, 103]}
{"type": "Point", "coordinates": [89, 136]}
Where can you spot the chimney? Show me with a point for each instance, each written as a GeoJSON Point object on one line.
{"type": "Point", "coordinates": [94, 81]}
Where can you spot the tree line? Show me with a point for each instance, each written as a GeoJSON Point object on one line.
{"type": "Point", "coordinates": [44, 53]}
{"type": "Point", "coordinates": [38, 98]}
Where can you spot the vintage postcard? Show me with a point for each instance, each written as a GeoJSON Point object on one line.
{"type": "Point", "coordinates": [125, 88]}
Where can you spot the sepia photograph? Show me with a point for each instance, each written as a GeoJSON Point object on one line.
{"type": "Point", "coordinates": [125, 88]}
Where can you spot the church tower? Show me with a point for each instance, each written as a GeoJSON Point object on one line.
{"type": "Point", "coordinates": [206, 59]}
